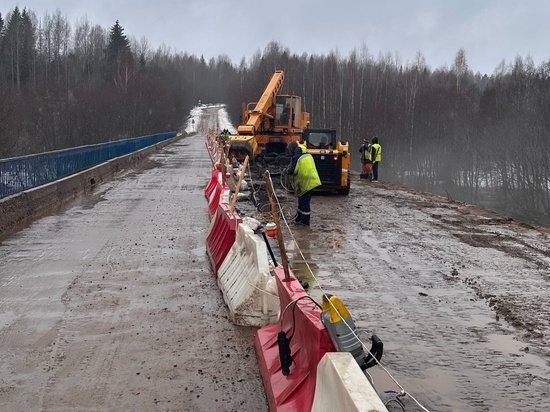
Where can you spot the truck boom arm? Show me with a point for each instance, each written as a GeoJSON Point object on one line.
{"type": "Point", "coordinates": [265, 102]}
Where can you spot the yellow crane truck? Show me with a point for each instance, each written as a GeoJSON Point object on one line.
{"type": "Point", "coordinates": [275, 120]}
{"type": "Point", "coordinates": [270, 123]}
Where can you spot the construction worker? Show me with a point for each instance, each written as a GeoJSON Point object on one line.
{"type": "Point", "coordinates": [376, 157]}
{"type": "Point", "coordinates": [302, 146]}
{"type": "Point", "coordinates": [366, 161]}
{"type": "Point", "coordinates": [306, 179]}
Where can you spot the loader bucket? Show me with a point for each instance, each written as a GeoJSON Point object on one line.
{"type": "Point", "coordinates": [242, 146]}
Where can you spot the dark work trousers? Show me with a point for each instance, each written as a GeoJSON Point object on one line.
{"type": "Point", "coordinates": [375, 171]}
{"type": "Point", "coordinates": [304, 209]}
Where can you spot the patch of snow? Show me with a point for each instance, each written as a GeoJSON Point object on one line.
{"type": "Point", "coordinates": [192, 125]}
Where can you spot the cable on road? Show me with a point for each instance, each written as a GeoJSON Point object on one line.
{"type": "Point", "coordinates": [403, 392]}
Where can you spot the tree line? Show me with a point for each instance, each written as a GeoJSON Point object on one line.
{"type": "Point", "coordinates": [478, 138]}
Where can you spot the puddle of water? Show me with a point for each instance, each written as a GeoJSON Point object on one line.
{"type": "Point", "coordinates": [382, 253]}
{"type": "Point", "coordinates": [304, 273]}
{"type": "Point", "coordinates": [507, 344]}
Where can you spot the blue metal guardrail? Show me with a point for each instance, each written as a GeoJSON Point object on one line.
{"type": "Point", "coordinates": [21, 173]}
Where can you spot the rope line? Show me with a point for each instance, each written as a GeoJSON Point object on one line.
{"type": "Point", "coordinates": [318, 284]}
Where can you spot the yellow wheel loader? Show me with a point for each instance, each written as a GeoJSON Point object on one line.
{"type": "Point", "coordinates": [332, 159]}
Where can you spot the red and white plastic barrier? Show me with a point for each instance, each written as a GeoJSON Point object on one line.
{"type": "Point", "coordinates": [219, 195]}
{"type": "Point", "coordinates": [245, 281]}
{"type": "Point", "coordinates": [221, 235]}
{"type": "Point", "coordinates": [215, 180]}
{"type": "Point", "coordinates": [213, 147]}
{"type": "Point", "coordinates": [320, 379]}
{"type": "Point", "coordinates": [310, 341]}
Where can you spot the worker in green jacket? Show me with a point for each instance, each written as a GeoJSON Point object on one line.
{"type": "Point", "coordinates": [306, 179]}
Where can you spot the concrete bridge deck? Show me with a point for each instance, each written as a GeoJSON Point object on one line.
{"type": "Point", "coordinates": [110, 304]}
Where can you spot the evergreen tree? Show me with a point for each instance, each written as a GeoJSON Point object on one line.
{"type": "Point", "coordinates": [118, 43]}
{"type": "Point", "coordinates": [17, 47]}
{"type": "Point", "coordinates": [12, 46]}
{"type": "Point", "coordinates": [28, 46]}
{"type": "Point", "coordinates": [119, 55]}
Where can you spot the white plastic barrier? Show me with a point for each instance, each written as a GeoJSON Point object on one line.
{"type": "Point", "coordinates": [225, 196]}
{"type": "Point", "coordinates": [342, 386]}
{"type": "Point", "coordinates": [245, 281]}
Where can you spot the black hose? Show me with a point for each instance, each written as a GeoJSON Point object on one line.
{"type": "Point", "coordinates": [269, 248]}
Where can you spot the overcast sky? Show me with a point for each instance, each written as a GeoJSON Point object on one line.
{"type": "Point", "coordinates": [488, 30]}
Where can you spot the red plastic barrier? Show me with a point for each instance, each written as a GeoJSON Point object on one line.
{"type": "Point", "coordinates": [214, 200]}
{"type": "Point", "coordinates": [222, 235]}
{"type": "Point", "coordinates": [310, 342]}
{"type": "Point", "coordinates": [215, 179]}
{"type": "Point", "coordinates": [213, 147]}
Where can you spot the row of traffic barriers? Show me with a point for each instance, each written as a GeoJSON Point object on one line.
{"type": "Point", "coordinates": [291, 340]}
{"type": "Point", "coordinates": [238, 255]}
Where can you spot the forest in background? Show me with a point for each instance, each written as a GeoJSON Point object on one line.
{"type": "Point", "coordinates": [478, 138]}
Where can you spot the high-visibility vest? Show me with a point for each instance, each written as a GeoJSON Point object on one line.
{"type": "Point", "coordinates": [366, 152]}
{"type": "Point", "coordinates": [376, 149]}
{"type": "Point", "coordinates": [303, 147]}
{"type": "Point", "coordinates": [306, 177]}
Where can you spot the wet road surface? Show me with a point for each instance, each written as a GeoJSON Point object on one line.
{"type": "Point", "coordinates": [112, 305]}
{"type": "Point", "coordinates": [459, 296]}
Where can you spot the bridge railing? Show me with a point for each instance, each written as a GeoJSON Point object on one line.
{"type": "Point", "coordinates": [21, 173]}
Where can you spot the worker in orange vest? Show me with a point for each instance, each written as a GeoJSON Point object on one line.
{"type": "Point", "coordinates": [366, 162]}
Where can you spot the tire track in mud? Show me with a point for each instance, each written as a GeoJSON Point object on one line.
{"type": "Point", "coordinates": [492, 231]}
{"type": "Point", "coordinates": [90, 334]}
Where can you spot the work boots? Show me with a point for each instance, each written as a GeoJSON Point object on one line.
{"type": "Point", "coordinates": [301, 220]}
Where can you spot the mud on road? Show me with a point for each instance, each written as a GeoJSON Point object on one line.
{"type": "Point", "coordinates": [111, 305]}
{"type": "Point", "coordinates": [459, 295]}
